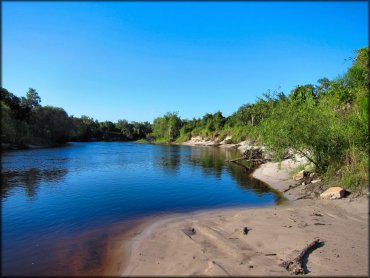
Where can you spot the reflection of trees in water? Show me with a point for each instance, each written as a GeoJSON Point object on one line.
{"type": "Point", "coordinates": [169, 159]}
{"type": "Point", "coordinates": [212, 161]}
{"type": "Point", "coordinates": [29, 180]}
{"type": "Point", "coordinates": [246, 182]}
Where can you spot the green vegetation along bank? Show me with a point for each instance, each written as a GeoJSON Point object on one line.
{"type": "Point", "coordinates": [325, 122]}
{"type": "Point", "coordinates": [25, 121]}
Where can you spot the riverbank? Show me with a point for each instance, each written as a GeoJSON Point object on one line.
{"type": "Point", "coordinates": [164, 246]}
{"type": "Point", "coordinates": [17, 147]}
{"type": "Point", "coordinates": [200, 141]}
{"type": "Point", "coordinates": [26, 146]}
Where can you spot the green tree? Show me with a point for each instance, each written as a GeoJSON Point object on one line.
{"type": "Point", "coordinates": [173, 125]}
{"type": "Point", "coordinates": [301, 93]}
{"type": "Point", "coordinates": [126, 129]}
{"type": "Point", "coordinates": [32, 99]}
{"type": "Point", "coordinates": [167, 128]}
{"type": "Point", "coordinates": [51, 124]}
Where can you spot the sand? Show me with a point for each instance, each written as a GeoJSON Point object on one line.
{"type": "Point", "coordinates": [159, 246]}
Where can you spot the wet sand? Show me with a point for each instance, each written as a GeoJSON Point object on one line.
{"type": "Point", "coordinates": [163, 245]}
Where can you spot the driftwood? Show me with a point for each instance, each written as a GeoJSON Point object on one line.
{"type": "Point", "coordinates": [295, 266]}
{"type": "Point", "coordinates": [254, 156]}
{"type": "Point", "coordinates": [304, 197]}
{"type": "Point", "coordinates": [247, 169]}
{"type": "Point", "coordinates": [291, 187]}
{"type": "Point", "coordinates": [235, 159]}
{"type": "Point", "coordinates": [244, 158]}
{"type": "Point", "coordinates": [242, 165]}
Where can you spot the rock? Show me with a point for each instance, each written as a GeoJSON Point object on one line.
{"type": "Point", "coordinates": [268, 156]}
{"type": "Point", "coordinates": [227, 140]}
{"type": "Point", "coordinates": [300, 159]}
{"type": "Point", "coordinates": [315, 181]}
{"type": "Point", "coordinates": [300, 175]}
{"type": "Point", "coordinates": [333, 193]}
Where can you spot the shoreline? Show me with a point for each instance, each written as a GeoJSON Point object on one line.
{"type": "Point", "coordinates": [159, 245]}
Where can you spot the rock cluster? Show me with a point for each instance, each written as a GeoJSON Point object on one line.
{"type": "Point", "coordinates": [300, 175]}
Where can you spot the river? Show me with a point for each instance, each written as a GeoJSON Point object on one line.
{"type": "Point", "coordinates": [59, 204]}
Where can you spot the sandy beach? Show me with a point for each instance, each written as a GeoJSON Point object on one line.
{"type": "Point", "coordinates": [166, 245]}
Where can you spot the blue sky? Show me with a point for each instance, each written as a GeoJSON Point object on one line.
{"type": "Point", "coordinates": [137, 61]}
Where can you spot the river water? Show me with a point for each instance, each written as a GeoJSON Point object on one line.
{"type": "Point", "coordinates": [59, 204]}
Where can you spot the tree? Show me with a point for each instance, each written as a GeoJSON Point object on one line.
{"type": "Point", "coordinates": [301, 93]}
{"type": "Point", "coordinates": [51, 124]}
{"type": "Point", "coordinates": [32, 99]}
{"type": "Point", "coordinates": [312, 129]}
{"type": "Point", "coordinates": [358, 73]}
{"type": "Point", "coordinates": [8, 125]}
{"type": "Point", "coordinates": [126, 129]}
{"type": "Point", "coordinates": [173, 125]}
{"type": "Point", "coordinates": [324, 85]}
{"type": "Point", "coordinates": [19, 110]}
{"type": "Point", "coordinates": [168, 127]}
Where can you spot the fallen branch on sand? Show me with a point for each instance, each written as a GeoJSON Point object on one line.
{"type": "Point", "coordinates": [304, 197]}
{"type": "Point", "coordinates": [245, 159]}
{"type": "Point", "coordinates": [295, 266]}
{"type": "Point", "coordinates": [291, 187]}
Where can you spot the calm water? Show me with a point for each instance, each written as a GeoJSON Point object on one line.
{"type": "Point", "coordinates": [52, 196]}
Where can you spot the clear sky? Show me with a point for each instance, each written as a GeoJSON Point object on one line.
{"type": "Point", "coordinates": [139, 60]}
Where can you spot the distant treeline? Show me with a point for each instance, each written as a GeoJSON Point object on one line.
{"type": "Point", "coordinates": [25, 121]}
{"type": "Point", "coordinates": [326, 122]}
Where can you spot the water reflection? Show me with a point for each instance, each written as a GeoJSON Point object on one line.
{"type": "Point", "coordinates": [29, 180]}
{"type": "Point", "coordinates": [30, 169]}
{"type": "Point", "coordinates": [213, 162]}
{"type": "Point", "coordinates": [93, 185]}
{"type": "Point", "coordinates": [168, 159]}
{"type": "Point", "coordinates": [210, 159]}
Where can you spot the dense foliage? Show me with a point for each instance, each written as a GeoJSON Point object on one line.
{"type": "Point", "coordinates": [25, 121]}
{"type": "Point", "coordinates": [326, 122]}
